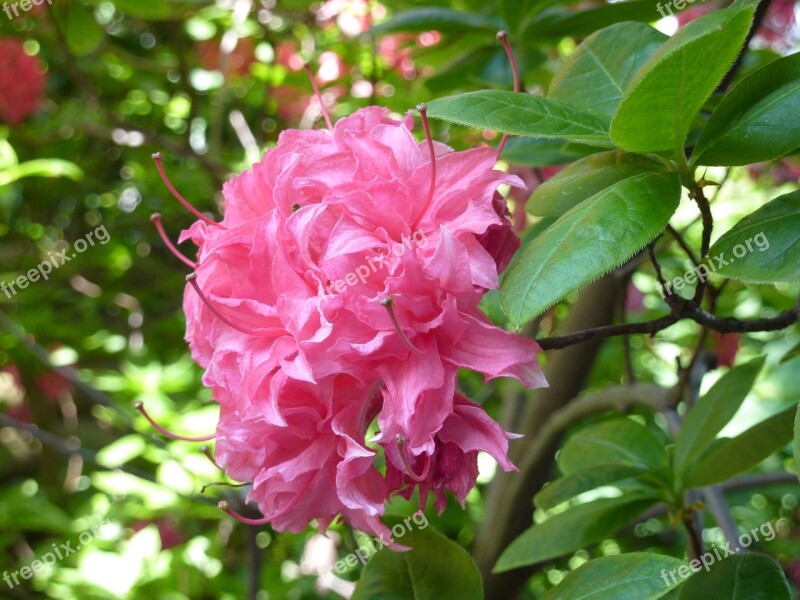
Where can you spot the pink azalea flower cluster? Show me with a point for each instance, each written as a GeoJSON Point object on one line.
{"type": "Point", "coordinates": [22, 82]}
{"type": "Point", "coordinates": [342, 287]}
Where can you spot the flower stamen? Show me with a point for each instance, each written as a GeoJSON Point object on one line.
{"type": "Point", "coordinates": [502, 36]}
{"type": "Point", "coordinates": [157, 159]}
{"type": "Point", "coordinates": [156, 219]}
{"type": "Point", "coordinates": [207, 453]}
{"type": "Point", "coordinates": [423, 113]}
{"type": "Point", "coordinates": [388, 304]}
{"type": "Point", "coordinates": [319, 97]}
{"type": "Point", "coordinates": [401, 442]}
{"type": "Point", "coordinates": [223, 506]}
{"type": "Point", "coordinates": [140, 407]}
{"type": "Point", "coordinates": [192, 279]}
{"type": "Point", "coordinates": [223, 483]}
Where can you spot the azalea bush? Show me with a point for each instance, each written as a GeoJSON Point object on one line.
{"type": "Point", "coordinates": [400, 300]}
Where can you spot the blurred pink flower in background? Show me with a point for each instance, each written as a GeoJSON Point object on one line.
{"type": "Point", "coordinates": [22, 82]}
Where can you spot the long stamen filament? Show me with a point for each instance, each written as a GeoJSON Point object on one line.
{"type": "Point", "coordinates": [224, 483]}
{"type": "Point", "coordinates": [401, 442]}
{"type": "Point", "coordinates": [192, 278]}
{"type": "Point", "coordinates": [156, 219]}
{"type": "Point", "coordinates": [223, 506]}
{"type": "Point", "coordinates": [157, 159]}
{"type": "Point", "coordinates": [207, 453]}
{"type": "Point", "coordinates": [423, 113]}
{"type": "Point", "coordinates": [140, 407]}
{"type": "Point", "coordinates": [388, 304]}
{"type": "Point", "coordinates": [502, 36]}
{"type": "Point", "coordinates": [319, 97]}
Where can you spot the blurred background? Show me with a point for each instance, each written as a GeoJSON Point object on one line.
{"type": "Point", "coordinates": [89, 89]}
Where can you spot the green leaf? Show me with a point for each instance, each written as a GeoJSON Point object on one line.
{"type": "Point", "coordinates": [144, 9]}
{"type": "Point", "coordinates": [571, 530]}
{"type": "Point", "coordinates": [536, 152]}
{"type": "Point", "coordinates": [594, 237]}
{"type": "Point", "coordinates": [791, 354]}
{"type": "Point", "coordinates": [587, 177]}
{"type": "Point", "coordinates": [436, 568]}
{"type": "Point", "coordinates": [797, 442]}
{"type": "Point", "coordinates": [121, 451]}
{"type": "Point", "coordinates": [596, 75]}
{"type": "Point", "coordinates": [83, 33]}
{"type": "Point", "coordinates": [633, 576]}
{"type": "Point", "coordinates": [713, 411]}
{"type": "Point", "coordinates": [43, 167]}
{"type": "Point", "coordinates": [579, 23]}
{"type": "Point", "coordinates": [666, 94]}
{"type": "Point", "coordinates": [615, 442]}
{"type": "Point", "coordinates": [441, 19]}
{"type": "Point", "coordinates": [566, 488]}
{"type": "Point", "coordinates": [520, 114]}
{"type": "Point", "coordinates": [774, 231]}
{"type": "Point", "coordinates": [739, 577]}
{"type": "Point", "coordinates": [756, 120]}
{"type": "Point", "coordinates": [730, 457]}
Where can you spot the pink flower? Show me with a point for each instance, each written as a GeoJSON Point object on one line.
{"type": "Point", "coordinates": [342, 286]}
{"type": "Point", "coordinates": [22, 82]}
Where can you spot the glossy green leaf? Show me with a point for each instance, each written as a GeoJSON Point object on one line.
{"type": "Point", "coordinates": [732, 456]}
{"type": "Point", "coordinates": [571, 530]}
{"type": "Point", "coordinates": [578, 23]}
{"type": "Point", "coordinates": [83, 33]}
{"type": "Point", "coordinates": [535, 152]}
{"type": "Point", "coordinates": [633, 576]}
{"type": "Point", "coordinates": [791, 354]}
{"type": "Point", "coordinates": [756, 120]}
{"type": "Point", "coordinates": [668, 91]}
{"type": "Point", "coordinates": [713, 411]}
{"type": "Point", "coordinates": [614, 442]}
{"type": "Point", "coordinates": [439, 18]}
{"type": "Point", "coordinates": [587, 177]}
{"type": "Point", "coordinates": [566, 488]}
{"type": "Point", "coordinates": [520, 114]}
{"type": "Point", "coordinates": [740, 577]}
{"type": "Point", "coordinates": [144, 9]}
{"type": "Point", "coordinates": [436, 568]}
{"type": "Point", "coordinates": [764, 247]}
{"type": "Point", "coordinates": [42, 167]}
{"type": "Point", "coordinates": [588, 241]}
{"type": "Point", "coordinates": [597, 74]}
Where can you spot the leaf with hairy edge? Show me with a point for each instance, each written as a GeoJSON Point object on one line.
{"type": "Point", "coordinates": [632, 576]}
{"type": "Point", "coordinates": [439, 18]}
{"type": "Point", "coordinates": [588, 241]}
{"type": "Point", "coordinates": [521, 114]}
{"type": "Point", "coordinates": [614, 442]}
{"type": "Point", "coordinates": [586, 177]}
{"type": "Point", "coordinates": [736, 455]}
{"type": "Point", "coordinates": [740, 577]}
{"type": "Point", "coordinates": [566, 488]}
{"type": "Point", "coordinates": [596, 75]}
{"type": "Point", "coordinates": [713, 411]}
{"type": "Point", "coordinates": [756, 120]}
{"type": "Point", "coordinates": [668, 91]}
{"type": "Point", "coordinates": [764, 247]}
{"type": "Point", "coordinates": [571, 530]}
{"type": "Point", "coordinates": [435, 568]}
